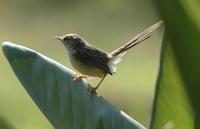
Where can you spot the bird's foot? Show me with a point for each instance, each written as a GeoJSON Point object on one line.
{"type": "Point", "coordinates": [91, 90]}
{"type": "Point", "coordinates": [79, 77]}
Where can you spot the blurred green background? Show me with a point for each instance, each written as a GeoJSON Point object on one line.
{"type": "Point", "coordinates": [106, 24]}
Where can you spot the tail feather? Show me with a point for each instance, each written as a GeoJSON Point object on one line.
{"type": "Point", "coordinates": [137, 39]}
{"type": "Point", "coordinates": [116, 55]}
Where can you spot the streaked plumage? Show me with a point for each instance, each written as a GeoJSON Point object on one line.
{"type": "Point", "coordinates": [94, 62]}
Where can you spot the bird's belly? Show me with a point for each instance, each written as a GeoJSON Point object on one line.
{"type": "Point", "coordinates": [86, 69]}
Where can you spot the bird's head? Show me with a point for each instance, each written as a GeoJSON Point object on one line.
{"type": "Point", "coordinates": [71, 40]}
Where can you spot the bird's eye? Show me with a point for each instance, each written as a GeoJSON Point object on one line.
{"type": "Point", "coordinates": [67, 38]}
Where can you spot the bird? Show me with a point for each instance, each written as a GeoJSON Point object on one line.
{"type": "Point", "coordinates": [91, 61]}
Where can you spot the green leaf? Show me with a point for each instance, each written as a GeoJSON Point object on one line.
{"type": "Point", "coordinates": [177, 104]}
{"type": "Point", "coordinates": [65, 103]}
{"type": "Point", "coordinates": [4, 124]}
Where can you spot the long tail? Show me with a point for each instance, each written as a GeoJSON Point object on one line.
{"type": "Point", "coordinates": [137, 39]}
{"type": "Point", "coordinates": [117, 54]}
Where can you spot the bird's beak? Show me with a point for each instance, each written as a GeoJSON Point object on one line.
{"type": "Point", "coordinates": [58, 37]}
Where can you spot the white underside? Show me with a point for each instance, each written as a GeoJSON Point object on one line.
{"type": "Point", "coordinates": [115, 60]}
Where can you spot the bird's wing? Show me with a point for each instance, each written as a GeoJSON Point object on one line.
{"type": "Point", "coordinates": [93, 57]}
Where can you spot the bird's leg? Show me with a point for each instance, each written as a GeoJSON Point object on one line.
{"type": "Point", "coordinates": [100, 82]}
{"type": "Point", "coordinates": [78, 77]}
{"type": "Point", "coordinates": [93, 89]}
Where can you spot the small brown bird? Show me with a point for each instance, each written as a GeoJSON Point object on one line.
{"type": "Point", "coordinates": [93, 62]}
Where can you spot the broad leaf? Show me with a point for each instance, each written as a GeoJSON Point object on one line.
{"type": "Point", "coordinates": [65, 103]}
{"type": "Point", "coordinates": [177, 104]}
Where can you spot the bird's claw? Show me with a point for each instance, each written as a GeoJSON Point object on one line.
{"type": "Point", "coordinates": [79, 77]}
{"type": "Point", "coordinates": [91, 90]}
